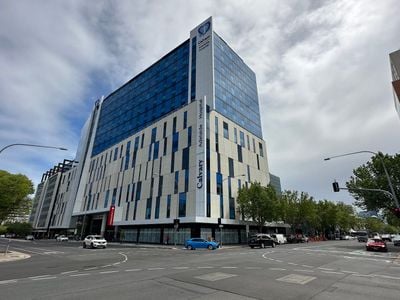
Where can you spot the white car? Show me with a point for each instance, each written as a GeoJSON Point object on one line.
{"type": "Point", "coordinates": [62, 238]}
{"type": "Point", "coordinates": [94, 241]}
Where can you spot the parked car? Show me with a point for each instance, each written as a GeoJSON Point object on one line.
{"type": "Point", "coordinates": [261, 240]}
{"type": "Point", "coordinates": [30, 237]}
{"type": "Point", "coordinates": [362, 238]}
{"type": "Point", "coordinates": [396, 240]}
{"type": "Point", "coordinates": [386, 237]}
{"type": "Point", "coordinates": [376, 245]}
{"type": "Point", "coordinates": [279, 238]}
{"type": "Point", "coordinates": [94, 241]}
{"type": "Point", "coordinates": [196, 243]}
{"type": "Point", "coordinates": [62, 238]}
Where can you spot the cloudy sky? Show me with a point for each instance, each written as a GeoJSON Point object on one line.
{"type": "Point", "coordinates": [322, 70]}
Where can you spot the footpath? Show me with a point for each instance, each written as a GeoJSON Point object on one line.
{"type": "Point", "coordinates": [12, 256]}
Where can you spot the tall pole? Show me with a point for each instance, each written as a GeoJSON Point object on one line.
{"type": "Point", "coordinates": [384, 168]}
{"type": "Point", "coordinates": [32, 145]}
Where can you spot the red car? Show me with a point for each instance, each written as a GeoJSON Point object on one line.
{"type": "Point", "coordinates": [376, 245]}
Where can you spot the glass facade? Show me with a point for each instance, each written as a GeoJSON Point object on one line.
{"type": "Point", "coordinates": [235, 88]}
{"type": "Point", "coordinates": [155, 92]}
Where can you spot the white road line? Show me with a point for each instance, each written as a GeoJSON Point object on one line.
{"type": "Point", "coordinates": [40, 276]}
{"type": "Point", "coordinates": [44, 278]}
{"type": "Point", "coordinates": [153, 269]}
{"type": "Point", "coordinates": [386, 276]}
{"type": "Point", "coordinates": [229, 267]}
{"type": "Point", "coordinates": [8, 281]}
{"type": "Point", "coordinates": [307, 266]}
{"type": "Point", "coordinates": [326, 269]}
{"type": "Point", "coordinates": [108, 272]}
{"type": "Point", "coordinates": [277, 260]}
{"type": "Point", "coordinates": [206, 267]}
{"type": "Point", "coordinates": [277, 269]}
{"type": "Point", "coordinates": [361, 275]}
{"type": "Point", "coordinates": [133, 270]}
{"type": "Point", "coordinates": [303, 270]}
{"type": "Point", "coordinates": [68, 272]}
{"type": "Point", "coordinates": [105, 266]}
{"type": "Point", "coordinates": [350, 272]}
{"type": "Point", "coordinates": [81, 274]}
{"type": "Point", "coordinates": [117, 263]}
{"type": "Point", "coordinates": [331, 272]}
{"type": "Point", "coordinates": [253, 268]}
{"type": "Point", "coordinates": [179, 268]}
{"type": "Point", "coordinates": [92, 268]}
{"type": "Point", "coordinates": [293, 264]}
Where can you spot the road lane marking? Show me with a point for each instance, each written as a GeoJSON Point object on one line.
{"type": "Point", "coordinates": [386, 276]}
{"type": "Point", "coordinates": [307, 266]}
{"type": "Point", "coordinates": [8, 281]}
{"type": "Point", "coordinates": [44, 278]}
{"type": "Point", "coordinates": [326, 269]}
{"type": "Point", "coordinates": [153, 269]}
{"type": "Point", "coordinates": [229, 267]}
{"type": "Point", "coordinates": [108, 272]}
{"type": "Point", "coordinates": [303, 270]}
{"type": "Point", "coordinates": [92, 268]}
{"type": "Point", "coordinates": [277, 269]}
{"type": "Point", "coordinates": [81, 274]}
{"type": "Point", "coordinates": [133, 270]}
{"type": "Point", "coordinates": [253, 268]}
{"type": "Point", "coordinates": [40, 276]}
{"type": "Point", "coordinates": [332, 272]}
{"type": "Point", "coordinates": [180, 268]}
{"type": "Point", "coordinates": [361, 275]}
{"type": "Point", "coordinates": [349, 272]}
{"type": "Point", "coordinates": [205, 267]}
{"type": "Point", "coordinates": [277, 260]}
{"type": "Point", "coordinates": [293, 264]}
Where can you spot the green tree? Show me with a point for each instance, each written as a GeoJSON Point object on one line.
{"type": "Point", "coordinates": [372, 176]}
{"type": "Point", "coordinates": [374, 225]}
{"type": "Point", "coordinates": [258, 204]}
{"type": "Point", "coordinates": [14, 191]}
{"type": "Point", "coordinates": [19, 228]}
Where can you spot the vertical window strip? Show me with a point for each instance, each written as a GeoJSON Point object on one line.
{"type": "Point", "coordinates": [182, 205]}
{"type": "Point", "coordinates": [168, 206]}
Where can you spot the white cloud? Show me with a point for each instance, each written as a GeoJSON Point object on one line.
{"type": "Point", "coordinates": [322, 70]}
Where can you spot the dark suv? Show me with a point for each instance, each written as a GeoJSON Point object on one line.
{"type": "Point", "coordinates": [261, 240]}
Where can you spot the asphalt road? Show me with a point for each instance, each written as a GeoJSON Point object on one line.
{"type": "Point", "coordinates": [325, 270]}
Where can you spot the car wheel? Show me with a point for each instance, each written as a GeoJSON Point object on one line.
{"type": "Point", "coordinates": [104, 247]}
{"type": "Point", "coordinates": [273, 245]}
{"type": "Point", "coordinates": [84, 245]}
{"type": "Point", "coordinates": [252, 247]}
{"type": "Point", "coordinates": [190, 247]}
{"type": "Point", "coordinates": [210, 247]}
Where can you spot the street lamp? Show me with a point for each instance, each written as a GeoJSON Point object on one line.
{"type": "Point", "coordinates": [383, 164]}
{"type": "Point", "coordinates": [33, 145]}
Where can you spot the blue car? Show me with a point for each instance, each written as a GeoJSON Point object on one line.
{"type": "Point", "coordinates": [195, 243]}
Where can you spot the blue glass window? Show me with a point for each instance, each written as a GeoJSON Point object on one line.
{"type": "Point", "coordinates": [175, 142]}
{"type": "Point", "coordinates": [138, 191]}
{"type": "Point", "coordinates": [115, 153]}
{"type": "Point", "coordinates": [242, 143]}
{"type": "Point", "coordinates": [156, 149]}
{"type": "Point", "coordinates": [221, 206]}
{"type": "Point", "coordinates": [186, 180]}
{"type": "Point", "coordinates": [261, 149]}
{"type": "Point", "coordinates": [190, 136]}
{"type": "Point", "coordinates": [168, 206]}
{"type": "Point", "coordinates": [164, 130]}
{"type": "Point", "coordinates": [174, 125]}
{"type": "Point", "coordinates": [236, 94]}
{"type": "Point", "coordinates": [160, 185]}
{"type": "Point", "coordinates": [176, 182]}
{"type": "Point", "coordinates": [106, 199]}
{"type": "Point", "coordinates": [226, 130]}
{"type": "Point", "coordinates": [148, 208]}
{"type": "Point", "coordinates": [114, 196]}
{"type": "Point", "coordinates": [235, 135]}
{"type": "Point", "coordinates": [219, 184]}
{"type": "Point", "coordinates": [141, 99]}
{"type": "Point", "coordinates": [185, 120]}
{"type": "Point", "coordinates": [185, 158]}
{"type": "Point", "coordinates": [231, 168]}
{"type": "Point", "coordinates": [127, 211]}
{"type": "Point", "coordinates": [182, 205]}
{"type": "Point", "coordinates": [193, 71]}
{"type": "Point", "coordinates": [240, 155]}
{"type": "Point", "coordinates": [153, 134]}
{"type": "Point", "coordinates": [157, 209]}
{"type": "Point", "coordinates": [127, 155]}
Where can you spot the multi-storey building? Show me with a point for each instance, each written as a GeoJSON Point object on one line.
{"type": "Point", "coordinates": [395, 67]}
{"type": "Point", "coordinates": [174, 144]}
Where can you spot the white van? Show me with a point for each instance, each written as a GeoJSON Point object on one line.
{"type": "Point", "coordinates": [278, 238]}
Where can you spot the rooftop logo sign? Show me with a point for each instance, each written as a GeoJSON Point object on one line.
{"type": "Point", "coordinates": [204, 28]}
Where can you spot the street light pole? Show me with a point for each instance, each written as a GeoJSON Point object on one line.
{"type": "Point", "coordinates": [32, 145]}
{"type": "Point", "coordinates": [384, 168]}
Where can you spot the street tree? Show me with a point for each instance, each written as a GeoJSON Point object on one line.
{"type": "Point", "coordinates": [14, 191]}
{"type": "Point", "coordinates": [258, 204]}
{"type": "Point", "coordinates": [372, 176]}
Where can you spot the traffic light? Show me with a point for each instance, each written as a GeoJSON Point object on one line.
{"type": "Point", "coordinates": [396, 212]}
{"type": "Point", "coordinates": [335, 186]}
